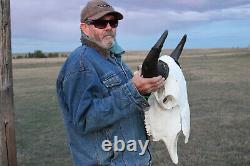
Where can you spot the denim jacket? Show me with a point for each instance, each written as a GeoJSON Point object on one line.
{"type": "Point", "coordinates": [99, 102]}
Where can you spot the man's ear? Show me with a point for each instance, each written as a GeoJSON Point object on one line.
{"type": "Point", "coordinates": [85, 28]}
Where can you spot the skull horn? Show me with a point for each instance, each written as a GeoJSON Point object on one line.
{"type": "Point", "coordinates": [162, 67]}
{"type": "Point", "coordinates": [149, 65]}
{"type": "Point", "coordinates": [177, 51]}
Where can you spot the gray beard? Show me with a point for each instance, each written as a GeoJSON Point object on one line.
{"type": "Point", "coordinates": [102, 45]}
{"type": "Point", "coordinates": [84, 37]}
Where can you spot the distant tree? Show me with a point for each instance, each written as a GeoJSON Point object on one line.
{"type": "Point", "coordinates": [19, 57]}
{"type": "Point", "coordinates": [30, 55]}
{"type": "Point", "coordinates": [39, 54]}
{"type": "Point", "coordinates": [53, 55]}
{"type": "Point", "coordinates": [63, 55]}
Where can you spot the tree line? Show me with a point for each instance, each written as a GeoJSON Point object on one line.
{"type": "Point", "coordinates": [40, 54]}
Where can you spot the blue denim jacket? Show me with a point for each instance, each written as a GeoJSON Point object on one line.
{"type": "Point", "coordinates": [99, 101]}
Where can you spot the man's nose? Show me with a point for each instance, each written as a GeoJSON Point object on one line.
{"type": "Point", "coordinates": [108, 27]}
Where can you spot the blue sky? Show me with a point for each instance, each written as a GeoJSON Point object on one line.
{"type": "Point", "coordinates": [53, 25]}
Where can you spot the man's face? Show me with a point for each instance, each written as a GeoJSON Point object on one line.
{"type": "Point", "coordinates": [105, 35]}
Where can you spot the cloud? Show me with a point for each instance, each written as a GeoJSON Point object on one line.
{"type": "Point", "coordinates": [58, 20]}
{"type": "Point", "coordinates": [179, 5]}
{"type": "Point", "coordinates": [145, 21]}
{"type": "Point", "coordinates": [44, 19]}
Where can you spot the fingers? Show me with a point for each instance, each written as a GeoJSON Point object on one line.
{"type": "Point", "coordinates": [157, 81]}
{"type": "Point", "coordinates": [158, 85]}
{"type": "Point", "coordinates": [154, 81]}
{"type": "Point", "coordinates": [137, 72]}
{"type": "Point", "coordinates": [147, 85]}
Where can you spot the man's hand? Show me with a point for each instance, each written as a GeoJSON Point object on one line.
{"type": "Point", "coordinates": [147, 85]}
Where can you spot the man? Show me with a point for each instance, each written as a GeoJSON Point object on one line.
{"type": "Point", "coordinates": [102, 102]}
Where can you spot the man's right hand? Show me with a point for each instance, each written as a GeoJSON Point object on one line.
{"type": "Point", "coordinates": [147, 85]}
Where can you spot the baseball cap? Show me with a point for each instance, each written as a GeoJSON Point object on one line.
{"type": "Point", "coordinates": [97, 9]}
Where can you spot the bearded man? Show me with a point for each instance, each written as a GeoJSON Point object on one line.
{"type": "Point", "coordinates": [101, 100]}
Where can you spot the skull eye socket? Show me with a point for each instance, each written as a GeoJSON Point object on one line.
{"type": "Point", "coordinates": [165, 99]}
{"type": "Point", "coordinates": [168, 98]}
{"type": "Point", "coordinates": [163, 69]}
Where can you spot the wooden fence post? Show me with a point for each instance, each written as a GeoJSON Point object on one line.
{"type": "Point", "coordinates": [7, 127]}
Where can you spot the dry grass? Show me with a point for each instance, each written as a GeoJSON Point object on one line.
{"type": "Point", "coordinates": [219, 96]}
{"type": "Point", "coordinates": [38, 60]}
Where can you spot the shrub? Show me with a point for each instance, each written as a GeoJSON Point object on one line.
{"type": "Point", "coordinates": [64, 55]}
{"type": "Point", "coordinates": [19, 57]}
{"type": "Point", "coordinates": [53, 55]}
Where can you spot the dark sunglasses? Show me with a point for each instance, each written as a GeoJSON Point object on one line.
{"type": "Point", "coordinates": [101, 24]}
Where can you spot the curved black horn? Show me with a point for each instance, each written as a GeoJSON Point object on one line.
{"type": "Point", "coordinates": [177, 51]}
{"type": "Point", "coordinates": [149, 65]}
{"type": "Point", "coordinates": [162, 67]}
{"type": "Point", "coordinates": [160, 42]}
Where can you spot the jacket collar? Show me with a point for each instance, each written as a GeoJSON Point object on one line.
{"type": "Point", "coordinates": [116, 49]}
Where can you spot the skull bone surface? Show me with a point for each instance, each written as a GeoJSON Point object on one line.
{"type": "Point", "coordinates": [169, 112]}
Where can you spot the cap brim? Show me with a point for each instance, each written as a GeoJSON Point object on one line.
{"type": "Point", "coordinates": [118, 15]}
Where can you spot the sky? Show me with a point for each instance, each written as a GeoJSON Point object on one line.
{"type": "Point", "coordinates": [53, 25]}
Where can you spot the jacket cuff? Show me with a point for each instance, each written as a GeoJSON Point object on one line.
{"type": "Point", "coordinates": [131, 91]}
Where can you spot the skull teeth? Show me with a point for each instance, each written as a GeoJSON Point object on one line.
{"type": "Point", "coordinates": [147, 124]}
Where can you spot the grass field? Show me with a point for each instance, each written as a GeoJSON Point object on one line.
{"type": "Point", "coordinates": [219, 96]}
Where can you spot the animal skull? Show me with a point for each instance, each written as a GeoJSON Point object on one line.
{"type": "Point", "coordinates": [169, 112]}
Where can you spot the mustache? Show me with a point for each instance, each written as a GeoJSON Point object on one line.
{"type": "Point", "coordinates": [109, 33]}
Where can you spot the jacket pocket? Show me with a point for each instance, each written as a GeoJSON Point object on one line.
{"type": "Point", "coordinates": [111, 80]}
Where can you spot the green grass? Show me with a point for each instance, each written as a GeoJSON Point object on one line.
{"type": "Point", "coordinates": [219, 97]}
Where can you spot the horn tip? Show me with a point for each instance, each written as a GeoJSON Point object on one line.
{"type": "Point", "coordinates": [185, 36]}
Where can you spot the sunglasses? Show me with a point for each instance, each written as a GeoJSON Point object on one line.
{"type": "Point", "coordinates": [101, 24]}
